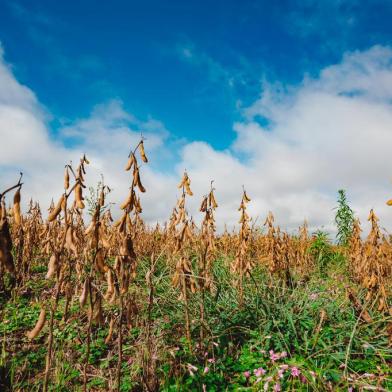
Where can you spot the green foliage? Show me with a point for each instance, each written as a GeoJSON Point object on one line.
{"type": "Point", "coordinates": [344, 219]}
{"type": "Point", "coordinates": [92, 199]}
{"type": "Point", "coordinates": [277, 328]}
{"type": "Point", "coordinates": [323, 252]}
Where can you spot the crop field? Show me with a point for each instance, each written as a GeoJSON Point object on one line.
{"type": "Point", "coordinates": [90, 303]}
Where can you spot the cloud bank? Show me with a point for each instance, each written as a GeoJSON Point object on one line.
{"type": "Point", "coordinates": [295, 147]}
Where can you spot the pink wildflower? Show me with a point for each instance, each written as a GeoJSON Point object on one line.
{"type": "Point", "coordinates": [274, 356]}
{"type": "Point", "coordinates": [247, 374]}
{"type": "Point", "coordinates": [259, 372]}
{"type": "Point", "coordinates": [206, 370]}
{"type": "Point", "coordinates": [284, 366]}
{"type": "Point", "coordinates": [191, 369]}
{"type": "Point", "coordinates": [295, 372]}
{"type": "Point", "coordinates": [277, 387]}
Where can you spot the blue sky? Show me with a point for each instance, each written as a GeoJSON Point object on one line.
{"type": "Point", "coordinates": [292, 99]}
{"type": "Point", "coordinates": [194, 65]}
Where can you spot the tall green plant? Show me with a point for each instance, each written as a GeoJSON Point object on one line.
{"type": "Point", "coordinates": [344, 219]}
{"type": "Point", "coordinates": [93, 199]}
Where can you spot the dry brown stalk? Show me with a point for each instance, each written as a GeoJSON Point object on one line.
{"type": "Point", "coordinates": [242, 264]}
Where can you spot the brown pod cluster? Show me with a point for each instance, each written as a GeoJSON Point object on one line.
{"type": "Point", "coordinates": [208, 228]}
{"type": "Point", "coordinates": [85, 292]}
{"type": "Point", "coordinates": [100, 262]}
{"type": "Point", "coordinates": [184, 277]}
{"type": "Point", "coordinates": [96, 312]}
{"type": "Point", "coordinates": [241, 264]}
{"type": "Point", "coordinates": [131, 162]}
{"type": "Point", "coordinates": [110, 332]}
{"type": "Point", "coordinates": [186, 184]}
{"type": "Point", "coordinates": [110, 294]}
{"type": "Point", "coordinates": [142, 152]}
{"type": "Point", "coordinates": [79, 199]}
{"type": "Point", "coordinates": [137, 181]}
{"type": "Point", "coordinates": [125, 264]}
{"type": "Point", "coordinates": [16, 208]}
{"type": "Point", "coordinates": [54, 213]}
{"type": "Point", "coordinates": [66, 178]}
{"type": "Point", "coordinates": [6, 258]}
{"type": "Point", "coordinates": [38, 326]}
{"type": "Point", "coordinates": [52, 266]}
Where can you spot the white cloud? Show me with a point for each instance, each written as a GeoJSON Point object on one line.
{"type": "Point", "coordinates": [331, 132]}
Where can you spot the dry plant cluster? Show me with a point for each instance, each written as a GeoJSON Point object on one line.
{"type": "Point", "coordinates": [93, 262]}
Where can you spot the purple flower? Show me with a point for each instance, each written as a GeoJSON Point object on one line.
{"type": "Point", "coordinates": [274, 356]}
{"type": "Point", "coordinates": [259, 372]}
{"type": "Point", "coordinates": [295, 372]}
{"type": "Point", "coordinates": [277, 387]}
{"type": "Point", "coordinates": [284, 366]}
{"type": "Point", "coordinates": [191, 369]}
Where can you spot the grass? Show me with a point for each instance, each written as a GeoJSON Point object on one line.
{"type": "Point", "coordinates": [301, 338]}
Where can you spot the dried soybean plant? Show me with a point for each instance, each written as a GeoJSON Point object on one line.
{"type": "Point", "coordinates": [376, 266]}
{"type": "Point", "coordinates": [280, 252]}
{"type": "Point", "coordinates": [242, 265]}
{"type": "Point", "coordinates": [6, 259]}
{"type": "Point", "coordinates": [303, 259]}
{"type": "Point", "coordinates": [125, 262]}
{"type": "Point", "coordinates": [95, 252]}
{"type": "Point", "coordinates": [355, 254]}
{"type": "Point", "coordinates": [183, 277]}
{"type": "Point", "coordinates": [63, 247]}
{"type": "Point", "coordinates": [370, 264]}
{"type": "Point", "coordinates": [208, 228]}
{"type": "Point", "coordinates": [271, 248]}
{"type": "Point", "coordinates": [207, 252]}
{"type": "Point", "coordinates": [28, 241]}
